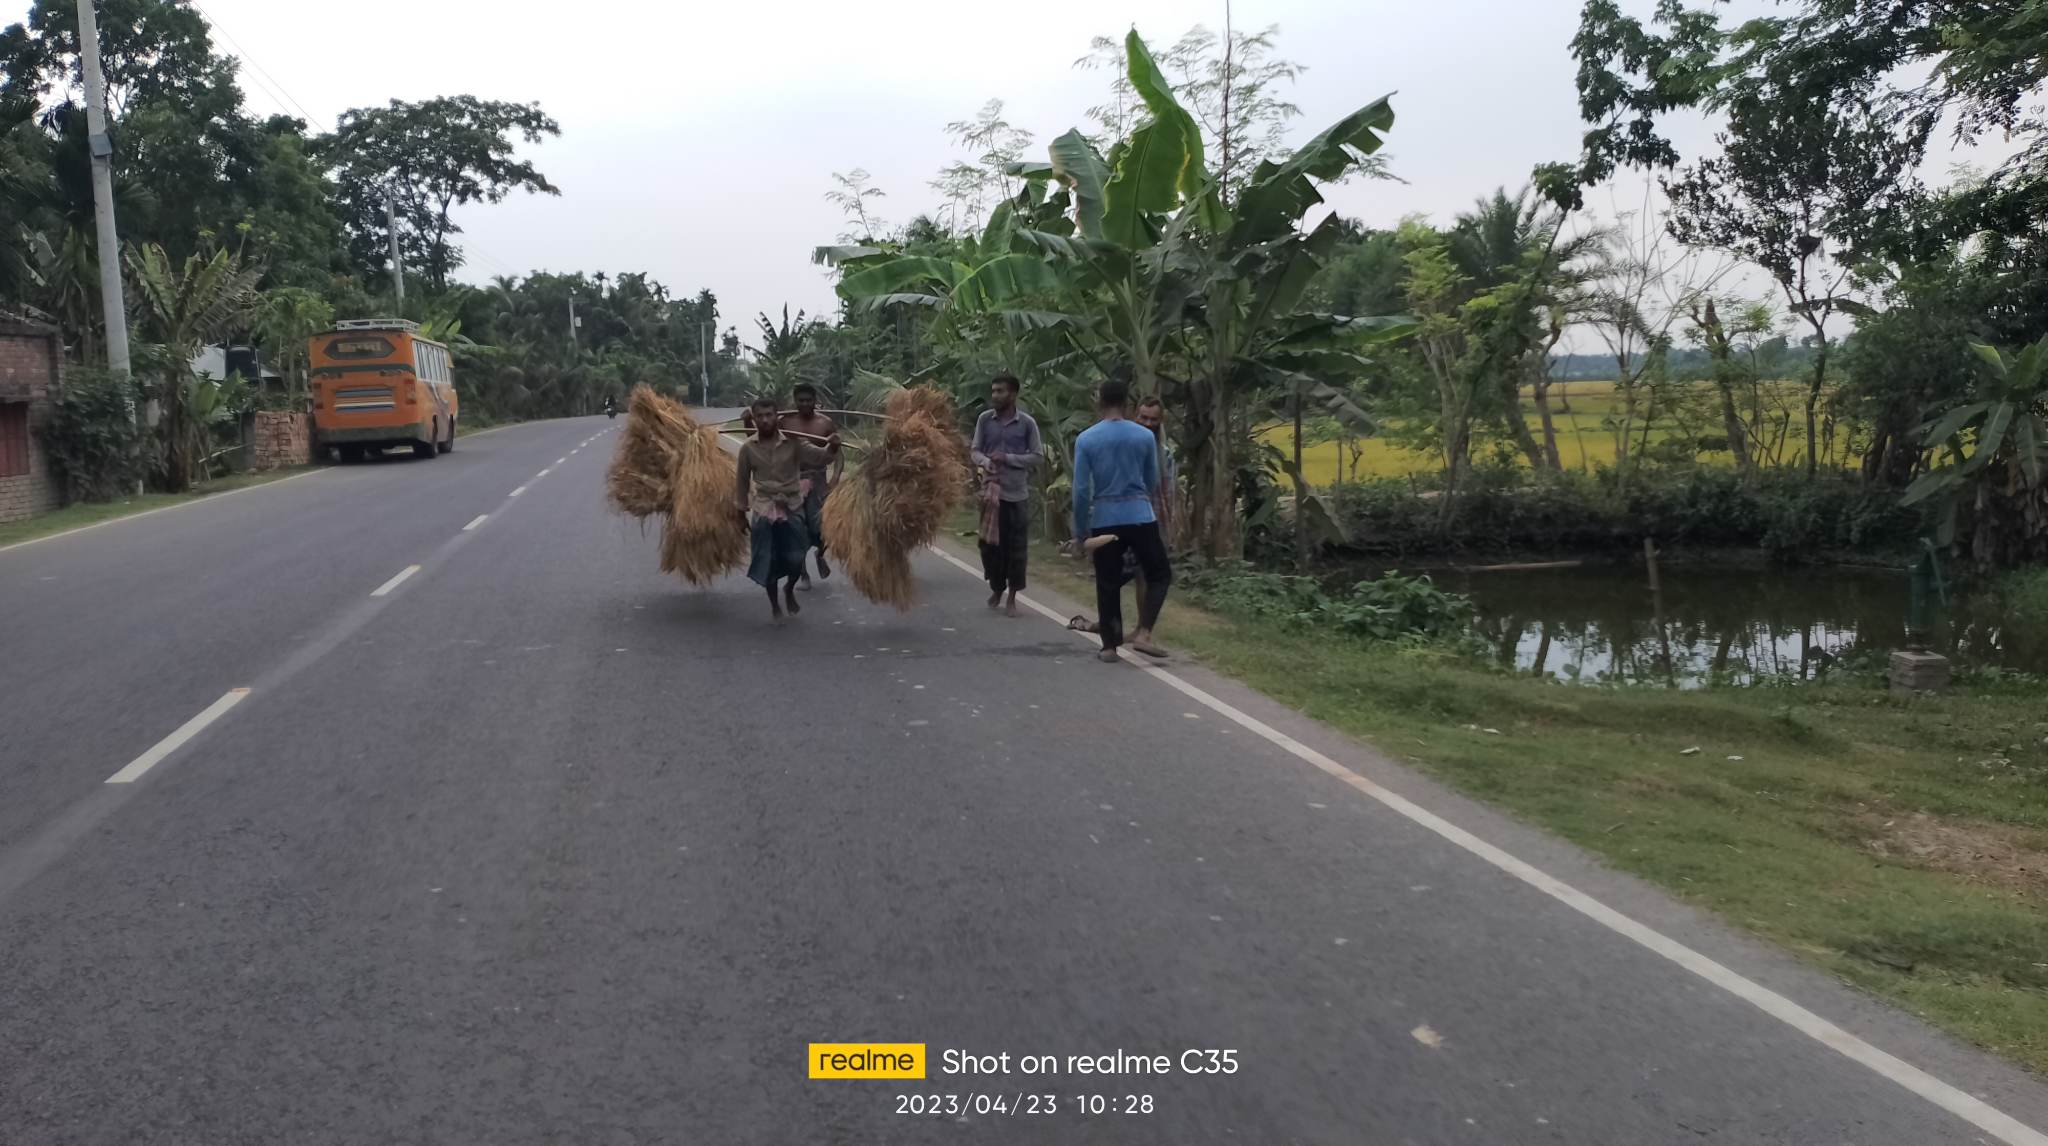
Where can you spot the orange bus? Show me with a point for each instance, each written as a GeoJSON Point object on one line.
{"type": "Point", "coordinates": [378, 384]}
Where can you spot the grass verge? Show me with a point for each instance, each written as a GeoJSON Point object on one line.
{"type": "Point", "coordinates": [1900, 844]}
{"type": "Point", "coordinates": [94, 513]}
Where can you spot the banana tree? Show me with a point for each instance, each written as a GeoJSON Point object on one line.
{"type": "Point", "coordinates": [1994, 448]}
{"type": "Point", "coordinates": [1189, 282]}
{"type": "Point", "coordinates": [1138, 260]}
{"type": "Point", "coordinates": [184, 308]}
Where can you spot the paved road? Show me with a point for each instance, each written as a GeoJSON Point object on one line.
{"type": "Point", "coordinates": [540, 847]}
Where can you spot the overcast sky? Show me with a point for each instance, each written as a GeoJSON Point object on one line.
{"type": "Point", "coordinates": [698, 139]}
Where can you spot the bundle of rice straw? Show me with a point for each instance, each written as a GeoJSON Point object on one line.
{"type": "Point", "coordinates": [669, 465]}
{"type": "Point", "coordinates": [899, 498]}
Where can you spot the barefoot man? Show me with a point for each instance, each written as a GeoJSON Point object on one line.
{"type": "Point", "coordinates": [771, 499]}
{"type": "Point", "coordinates": [1116, 471]}
{"type": "Point", "coordinates": [1006, 451]}
{"type": "Point", "coordinates": [817, 482]}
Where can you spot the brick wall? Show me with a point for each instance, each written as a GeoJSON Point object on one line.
{"type": "Point", "coordinates": [30, 372]}
{"type": "Point", "coordinates": [278, 438]}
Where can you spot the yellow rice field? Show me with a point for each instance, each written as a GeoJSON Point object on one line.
{"type": "Point", "coordinates": [1583, 440]}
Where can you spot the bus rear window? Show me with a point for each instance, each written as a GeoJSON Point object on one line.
{"type": "Point", "coordinates": [359, 346]}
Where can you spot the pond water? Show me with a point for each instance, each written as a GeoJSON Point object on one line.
{"type": "Point", "coordinates": [1602, 623]}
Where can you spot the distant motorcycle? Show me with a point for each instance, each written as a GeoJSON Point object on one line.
{"type": "Point", "coordinates": [610, 410]}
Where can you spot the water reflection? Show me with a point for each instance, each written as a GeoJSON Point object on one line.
{"type": "Point", "coordinates": [1741, 626]}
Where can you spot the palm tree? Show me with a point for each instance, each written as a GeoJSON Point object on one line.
{"type": "Point", "coordinates": [1505, 239]}
{"type": "Point", "coordinates": [184, 309]}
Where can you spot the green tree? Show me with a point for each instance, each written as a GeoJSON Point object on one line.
{"type": "Point", "coordinates": [284, 319]}
{"type": "Point", "coordinates": [1994, 448]}
{"type": "Point", "coordinates": [1159, 270]}
{"type": "Point", "coordinates": [432, 156]}
{"type": "Point", "coordinates": [183, 308]}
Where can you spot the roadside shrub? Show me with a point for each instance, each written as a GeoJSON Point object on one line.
{"type": "Point", "coordinates": [2023, 598]}
{"type": "Point", "coordinates": [1387, 608]}
{"type": "Point", "coordinates": [1779, 512]}
{"type": "Point", "coordinates": [93, 441]}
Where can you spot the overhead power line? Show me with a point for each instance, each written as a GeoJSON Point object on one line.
{"type": "Point", "coordinates": [253, 62]}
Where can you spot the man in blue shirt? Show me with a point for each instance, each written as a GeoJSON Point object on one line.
{"type": "Point", "coordinates": [1116, 473]}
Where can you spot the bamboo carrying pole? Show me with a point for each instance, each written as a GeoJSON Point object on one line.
{"type": "Point", "coordinates": [799, 434]}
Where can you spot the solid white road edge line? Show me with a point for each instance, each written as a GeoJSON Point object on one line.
{"type": "Point", "coordinates": [395, 582]}
{"type": "Point", "coordinates": [211, 497]}
{"type": "Point", "coordinates": [1963, 1105]}
{"type": "Point", "coordinates": [175, 740]}
{"type": "Point", "coordinates": [479, 520]}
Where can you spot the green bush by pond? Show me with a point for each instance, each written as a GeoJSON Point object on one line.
{"type": "Point", "coordinates": [1783, 514]}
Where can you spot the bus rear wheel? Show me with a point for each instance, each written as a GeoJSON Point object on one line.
{"type": "Point", "coordinates": [448, 444]}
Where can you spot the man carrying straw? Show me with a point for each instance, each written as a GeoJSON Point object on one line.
{"type": "Point", "coordinates": [1116, 472]}
{"type": "Point", "coordinates": [808, 422]}
{"type": "Point", "coordinates": [771, 498]}
{"type": "Point", "coordinates": [1006, 450]}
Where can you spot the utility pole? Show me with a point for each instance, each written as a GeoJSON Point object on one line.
{"type": "Point", "coordinates": [113, 307]}
{"type": "Point", "coordinates": [397, 259]}
{"type": "Point", "coordinates": [574, 346]}
{"type": "Point", "coordinates": [704, 359]}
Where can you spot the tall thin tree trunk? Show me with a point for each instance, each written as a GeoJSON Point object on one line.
{"type": "Point", "coordinates": [1550, 455]}
{"type": "Point", "coordinates": [1731, 425]}
{"type": "Point", "coordinates": [1518, 425]}
{"type": "Point", "coordinates": [1820, 369]}
{"type": "Point", "coordinates": [1300, 496]}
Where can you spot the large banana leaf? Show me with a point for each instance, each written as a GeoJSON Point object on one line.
{"type": "Point", "coordinates": [1991, 438]}
{"type": "Point", "coordinates": [1076, 164]}
{"type": "Point", "coordinates": [1940, 432]}
{"type": "Point", "coordinates": [835, 256]}
{"type": "Point", "coordinates": [1279, 193]}
{"type": "Point", "coordinates": [1022, 322]}
{"type": "Point", "coordinates": [1158, 164]}
{"type": "Point", "coordinates": [2029, 448]}
{"type": "Point", "coordinates": [1003, 279]}
{"type": "Point", "coordinates": [1002, 223]}
{"type": "Point", "coordinates": [1147, 181]}
{"type": "Point", "coordinates": [893, 276]}
{"type": "Point", "coordinates": [1992, 358]}
{"type": "Point", "coordinates": [1152, 87]}
{"type": "Point", "coordinates": [1291, 266]}
{"type": "Point", "coordinates": [1046, 242]}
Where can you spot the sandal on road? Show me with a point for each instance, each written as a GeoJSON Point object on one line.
{"type": "Point", "coordinates": [1081, 624]}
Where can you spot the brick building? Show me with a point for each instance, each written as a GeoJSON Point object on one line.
{"type": "Point", "coordinates": [31, 364]}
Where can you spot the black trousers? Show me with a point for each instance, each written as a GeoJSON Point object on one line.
{"type": "Point", "coordinates": [1002, 564]}
{"type": "Point", "coordinates": [1144, 543]}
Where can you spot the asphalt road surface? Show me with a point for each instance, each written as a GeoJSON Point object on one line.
{"type": "Point", "coordinates": [539, 846]}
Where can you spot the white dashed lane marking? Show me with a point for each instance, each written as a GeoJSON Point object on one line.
{"type": "Point", "coordinates": [395, 582]}
{"type": "Point", "coordinates": [186, 731]}
{"type": "Point", "coordinates": [476, 521]}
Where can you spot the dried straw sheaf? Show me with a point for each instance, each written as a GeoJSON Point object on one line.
{"type": "Point", "coordinates": [899, 498]}
{"type": "Point", "coordinates": [669, 465]}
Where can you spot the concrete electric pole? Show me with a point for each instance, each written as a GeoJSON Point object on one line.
{"type": "Point", "coordinates": [113, 307]}
{"type": "Point", "coordinates": [397, 259]}
{"type": "Point", "coordinates": [704, 359]}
